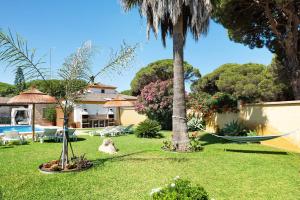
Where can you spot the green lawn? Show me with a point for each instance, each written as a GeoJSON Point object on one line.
{"type": "Point", "coordinates": [248, 171]}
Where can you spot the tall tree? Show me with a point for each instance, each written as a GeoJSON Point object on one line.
{"type": "Point", "coordinates": [249, 82]}
{"type": "Point", "coordinates": [160, 70]}
{"type": "Point", "coordinates": [271, 23]}
{"type": "Point", "coordinates": [174, 18]}
{"type": "Point", "coordinates": [20, 80]}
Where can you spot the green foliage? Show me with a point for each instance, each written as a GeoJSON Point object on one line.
{"type": "Point", "coordinates": [195, 124]}
{"type": "Point", "coordinates": [248, 82]}
{"type": "Point", "coordinates": [234, 128]}
{"type": "Point", "coordinates": [148, 129]}
{"type": "Point", "coordinates": [273, 24]}
{"type": "Point", "coordinates": [80, 162]}
{"type": "Point", "coordinates": [179, 189]}
{"type": "Point", "coordinates": [160, 70]}
{"type": "Point", "coordinates": [6, 90]}
{"type": "Point", "coordinates": [168, 145]}
{"type": "Point", "coordinates": [20, 80]}
{"type": "Point", "coordinates": [195, 144]}
{"type": "Point", "coordinates": [252, 133]}
{"type": "Point", "coordinates": [209, 104]}
{"type": "Point", "coordinates": [207, 83]}
{"type": "Point", "coordinates": [126, 92]}
{"type": "Point", "coordinates": [55, 87]}
{"type": "Point", "coordinates": [50, 114]}
{"type": "Point", "coordinates": [255, 30]}
{"type": "Point", "coordinates": [281, 77]}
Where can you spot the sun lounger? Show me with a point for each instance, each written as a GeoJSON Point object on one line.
{"type": "Point", "coordinates": [71, 134]}
{"type": "Point", "coordinates": [99, 132]}
{"type": "Point", "coordinates": [12, 136]}
{"type": "Point", "coordinates": [48, 134]}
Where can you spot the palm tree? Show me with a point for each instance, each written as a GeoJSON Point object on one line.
{"type": "Point", "coordinates": [174, 18]}
{"type": "Point", "coordinates": [15, 53]}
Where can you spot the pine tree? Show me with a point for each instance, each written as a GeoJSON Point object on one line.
{"type": "Point", "coordinates": [20, 80]}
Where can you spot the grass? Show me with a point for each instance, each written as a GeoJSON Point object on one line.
{"type": "Point", "coordinates": [226, 170]}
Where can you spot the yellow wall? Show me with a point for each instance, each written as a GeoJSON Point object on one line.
{"type": "Point", "coordinates": [130, 116]}
{"type": "Point", "coordinates": [267, 118]}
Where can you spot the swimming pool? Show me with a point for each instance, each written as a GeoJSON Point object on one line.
{"type": "Point", "coordinates": [20, 129]}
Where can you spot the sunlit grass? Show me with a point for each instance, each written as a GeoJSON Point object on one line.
{"type": "Point", "coordinates": [225, 170]}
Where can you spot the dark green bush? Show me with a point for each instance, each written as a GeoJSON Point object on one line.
{"type": "Point", "coordinates": [148, 129]}
{"type": "Point", "coordinates": [50, 114]}
{"type": "Point", "coordinates": [179, 189]}
{"type": "Point", "coordinates": [234, 128]}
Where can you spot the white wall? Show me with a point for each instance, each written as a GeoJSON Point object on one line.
{"type": "Point", "coordinates": [92, 109]}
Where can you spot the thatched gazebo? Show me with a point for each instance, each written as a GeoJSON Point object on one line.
{"type": "Point", "coordinates": [32, 96]}
{"type": "Point", "coordinates": [118, 102]}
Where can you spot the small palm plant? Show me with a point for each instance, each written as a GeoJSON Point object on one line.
{"type": "Point", "coordinates": [15, 53]}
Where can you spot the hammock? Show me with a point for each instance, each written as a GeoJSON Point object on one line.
{"type": "Point", "coordinates": [243, 139]}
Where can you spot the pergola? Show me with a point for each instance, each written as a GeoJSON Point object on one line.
{"type": "Point", "coordinates": [32, 96]}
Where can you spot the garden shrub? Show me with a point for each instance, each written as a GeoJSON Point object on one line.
{"type": "Point", "coordinates": [168, 145]}
{"type": "Point", "coordinates": [179, 189]}
{"type": "Point", "coordinates": [252, 133]}
{"type": "Point", "coordinates": [195, 124]}
{"type": "Point", "coordinates": [234, 128]}
{"type": "Point", "coordinates": [148, 129]}
{"type": "Point", "coordinates": [50, 114]}
{"type": "Point", "coordinates": [209, 104]}
{"type": "Point", "coordinates": [194, 145]}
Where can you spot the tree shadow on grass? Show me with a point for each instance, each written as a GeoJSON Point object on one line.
{"type": "Point", "coordinates": [127, 157]}
{"type": "Point", "coordinates": [79, 139]}
{"type": "Point", "coordinates": [6, 147]}
{"type": "Point", "coordinates": [257, 151]}
{"type": "Point", "coordinates": [210, 139]}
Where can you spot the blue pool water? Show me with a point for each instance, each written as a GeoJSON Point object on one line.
{"type": "Point", "coordinates": [20, 129]}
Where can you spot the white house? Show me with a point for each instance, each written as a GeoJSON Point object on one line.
{"type": "Point", "coordinates": [90, 111]}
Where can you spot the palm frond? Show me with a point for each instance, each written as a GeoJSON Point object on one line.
{"type": "Point", "coordinates": [76, 68]}
{"type": "Point", "coordinates": [119, 60]}
{"type": "Point", "coordinates": [164, 14]}
{"type": "Point", "coordinates": [14, 52]}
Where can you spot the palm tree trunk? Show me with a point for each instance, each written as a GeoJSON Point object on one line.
{"type": "Point", "coordinates": [180, 132]}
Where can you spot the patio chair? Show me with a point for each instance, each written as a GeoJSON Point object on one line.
{"type": "Point", "coordinates": [102, 132]}
{"type": "Point", "coordinates": [97, 132]}
{"type": "Point", "coordinates": [116, 131]}
{"type": "Point", "coordinates": [71, 134]}
{"type": "Point", "coordinates": [48, 134]}
{"type": "Point", "coordinates": [120, 130]}
{"type": "Point", "coordinates": [12, 136]}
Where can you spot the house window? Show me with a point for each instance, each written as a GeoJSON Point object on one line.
{"type": "Point", "coordinates": [102, 91]}
{"type": "Point", "coordinates": [44, 113]}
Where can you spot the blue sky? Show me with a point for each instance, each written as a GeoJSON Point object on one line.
{"type": "Point", "coordinates": [64, 25]}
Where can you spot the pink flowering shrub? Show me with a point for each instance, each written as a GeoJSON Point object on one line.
{"type": "Point", "coordinates": [155, 101]}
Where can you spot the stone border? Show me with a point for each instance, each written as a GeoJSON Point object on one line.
{"type": "Point", "coordinates": [59, 172]}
